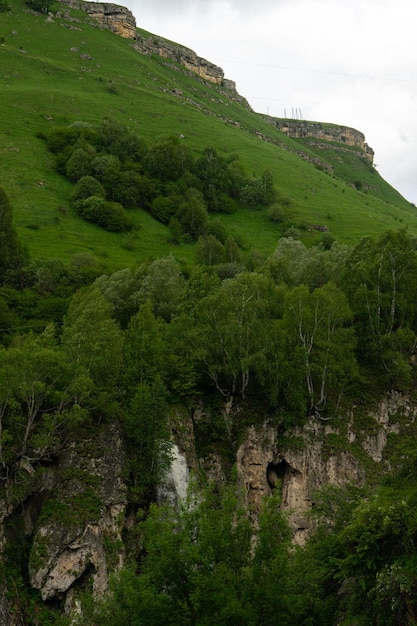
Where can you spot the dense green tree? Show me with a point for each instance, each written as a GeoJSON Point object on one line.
{"type": "Point", "coordinates": [41, 395]}
{"type": "Point", "coordinates": [320, 343]}
{"type": "Point", "coordinates": [287, 263]}
{"type": "Point", "coordinates": [11, 253]}
{"type": "Point", "coordinates": [163, 209]}
{"type": "Point", "coordinates": [107, 169]}
{"type": "Point", "coordinates": [163, 285]}
{"type": "Point", "coordinates": [91, 339]}
{"type": "Point", "coordinates": [211, 170]}
{"type": "Point", "coordinates": [381, 286]}
{"type": "Point", "coordinates": [232, 325]}
{"type": "Point", "coordinates": [109, 215]}
{"type": "Point", "coordinates": [192, 215]}
{"type": "Point", "coordinates": [231, 250]}
{"type": "Point", "coordinates": [42, 6]}
{"type": "Point", "coordinates": [86, 187]}
{"type": "Point", "coordinates": [144, 350]}
{"type": "Point", "coordinates": [203, 565]}
{"type": "Point", "coordinates": [168, 159]}
{"type": "Point", "coordinates": [79, 164]}
{"type": "Point", "coordinates": [121, 291]}
{"type": "Point", "coordinates": [117, 139]}
{"type": "Point", "coordinates": [62, 137]}
{"type": "Point", "coordinates": [133, 189]}
{"type": "Point", "coordinates": [209, 251]}
{"type": "Point", "coordinates": [146, 423]}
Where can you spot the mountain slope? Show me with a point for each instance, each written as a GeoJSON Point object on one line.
{"type": "Point", "coordinates": [58, 70]}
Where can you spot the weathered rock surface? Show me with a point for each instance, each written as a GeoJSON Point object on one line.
{"type": "Point", "coordinates": [79, 530]}
{"type": "Point", "coordinates": [265, 461]}
{"type": "Point", "coordinates": [327, 132]}
{"type": "Point", "coordinates": [113, 17]}
{"type": "Point", "coordinates": [186, 57]}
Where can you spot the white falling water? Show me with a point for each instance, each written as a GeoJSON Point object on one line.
{"type": "Point", "coordinates": [174, 486]}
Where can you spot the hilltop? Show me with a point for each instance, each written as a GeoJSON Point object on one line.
{"type": "Point", "coordinates": [65, 67]}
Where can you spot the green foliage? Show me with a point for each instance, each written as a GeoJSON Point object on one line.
{"type": "Point", "coordinates": [144, 348]}
{"type": "Point", "coordinates": [163, 285]}
{"type": "Point", "coordinates": [163, 209]}
{"type": "Point", "coordinates": [121, 292]}
{"type": "Point", "coordinates": [199, 567]}
{"type": "Point", "coordinates": [109, 215]}
{"type": "Point", "coordinates": [167, 159]}
{"type": "Point", "coordinates": [115, 138]}
{"type": "Point", "coordinates": [79, 164]}
{"type": "Point", "coordinates": [91, 339]}
{"type": "Point", "coordinates": [192, 215]}
{"type": "Point", "coordinates": [321, 342]}
{"type": "Point", "coordinates": [42, 6]}
{"type": "Point", "coordinates": [40, 395]}
{"type": "Point", "coordinates": [11, 253]}
{"type": "Point", "coordinates": [88, 186]}
{"type": "Point", "coordinates": [379, 277]}
{"type": "Point", "coordinates": [210, 251]}
{"type": "Point", "coordinates": [146, 423]}
{"type": "Point", "coordinates": [232, 332]}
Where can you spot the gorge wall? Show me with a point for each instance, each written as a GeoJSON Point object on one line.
{"type": "Point", "coordinates": [76, 514]}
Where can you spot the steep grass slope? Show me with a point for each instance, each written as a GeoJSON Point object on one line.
{"type": "Point", "coordinates": [62, 69]}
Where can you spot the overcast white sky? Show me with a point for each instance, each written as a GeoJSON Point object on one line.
{"type": "Point", "coordinates": [351, 62]}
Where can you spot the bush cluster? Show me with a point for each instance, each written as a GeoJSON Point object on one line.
{"type": "Point", "coordinates": [177, 188]}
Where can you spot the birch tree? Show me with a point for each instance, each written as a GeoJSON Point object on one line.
{"type": "Point", "coordinates": [231, 325]}
{"type": "Point", "coordinates": [320, 341]}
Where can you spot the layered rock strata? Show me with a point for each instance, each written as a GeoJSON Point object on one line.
{"type": "Point", "coordinates": [113, 17]}
{"type": "Point", "coordinates": [298, 129]}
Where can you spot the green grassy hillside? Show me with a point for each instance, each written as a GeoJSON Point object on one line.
{"type": "Point", "coordinates": [55, 71]}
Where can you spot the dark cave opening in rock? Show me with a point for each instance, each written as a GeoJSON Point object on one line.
{"type": "Point", "coordinates": [276, 472]}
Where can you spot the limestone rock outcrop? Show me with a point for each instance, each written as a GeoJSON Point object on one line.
{"type": "Point", "coordinates": [323, 455]}
{"type": "Point", "coordinates": [113, 17]}
{"type": "Point", "coordinates": [185, 57]}
{"type": "Point", "coordinates": [326, 132]}
{"type": "Point", "coordinates": [78, 532]}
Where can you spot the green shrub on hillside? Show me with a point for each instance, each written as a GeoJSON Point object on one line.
{"type": "Point", "coordinates": [41, 6]}
{"type": "Point", "coordinates": [86, 187]}
{"type": "Point", "coordinates": [108, 215]}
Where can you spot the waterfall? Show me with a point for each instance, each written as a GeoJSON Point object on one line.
{"type": "Point", "coordinates": [174, 486]}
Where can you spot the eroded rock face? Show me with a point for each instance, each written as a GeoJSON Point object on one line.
{"type": "Point", "coordinates": [79, 530]}
{"type": "Point", "coordinates": [340, 134]}
{"type": "Point", "coordinates": [181, 54]}
{"type": "Point", "coordinates": [113, 17]}
{"type": "Point", "coordinates": [264, 463]}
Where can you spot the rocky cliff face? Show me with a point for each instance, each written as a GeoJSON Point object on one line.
{"type": "Point", "coordinates": [325, 132]}
{"type": "Point", "coordinates": [113, 17]}
{"type": "Point", "coordinates": [73, 518]}
{"type": "Point", "coordinates": [74, 514]}
{"type": "Point", "coordinates": [121, 21]}
{"type": "Point", "coordinates": [318, 455]}
{"type": "Point", "coordinates": [184, 56]}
